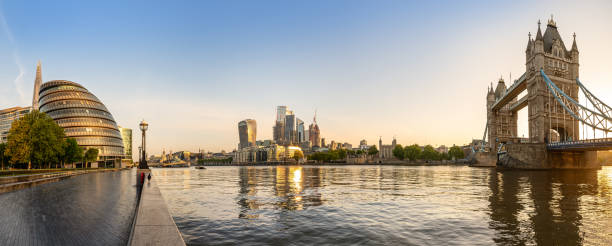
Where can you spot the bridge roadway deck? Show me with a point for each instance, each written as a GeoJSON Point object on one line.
{"type": "Point", "coordinates": [582, 145]}
{"type": "Point", "coordinates": [91, 209]}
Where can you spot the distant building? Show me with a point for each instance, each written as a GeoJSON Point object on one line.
{"type": "Point", "coordinates": [126, 136]}
{"type": "Point", "coordinates": [290, 128]}
{"type": "Point", "coordinates": [386, 151]}
{"type": "Point", "coordinates": [323, 143]}
{"type": "Point", "coordinates": [300, 131]}
{"type": "Point", "coordinates": [332, 145]}
{"type": "Point", "coordinates": [278, 130]}
{"type": "Point", "coordinates": [247, 133]}
{"type": "Point", "coordinates": [281, 112]}
{"type": "Point", "coordinates": [442, 149]}
{"type": "Point", "coordinates": [363, 145]}
{"type": "Point", "coordinates": [272, 153]}
{"type": "Point", "coordinates": [7, 116]}
{"type": "Point", "coordinates": [314, 134]}
{"type": "Point", "coordinates": [347, 146]}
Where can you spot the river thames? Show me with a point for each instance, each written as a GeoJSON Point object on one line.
{"type": "Point", "coordinates": [388, 205]}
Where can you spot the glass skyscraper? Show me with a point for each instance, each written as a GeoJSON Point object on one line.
{"type": "Point", "coordinates": [247, 132]}
{"type": "Point", "coordinates": [126, 136]}
{"type": "Point", "coordinates": [300, 130]}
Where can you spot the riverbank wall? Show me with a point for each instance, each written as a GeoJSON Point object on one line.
{"type": "Point", "coordinates": [536, 156]}
{"type": "Point", "coordinates": [382, 163]}
{"type": "Point", "coordinates": [153, 224]}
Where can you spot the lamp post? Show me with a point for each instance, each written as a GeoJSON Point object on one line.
{"type": "Point", "coordinates": [143, 156]}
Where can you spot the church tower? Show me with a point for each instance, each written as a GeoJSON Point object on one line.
{"type": "Point", "coordinates": [37, 83]}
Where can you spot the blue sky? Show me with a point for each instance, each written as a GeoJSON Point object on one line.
{"type": "Point", "coordinates": [193, 69]}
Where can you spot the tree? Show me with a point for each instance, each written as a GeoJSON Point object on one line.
{"type": "Point", "coordinates": [3, 157]}
{"type": "Point", "coordinates": [72, 152]}
{"type": "Point", "coordinates": [91, 155]}
{"type": "Point", "coordinates": [297, 155]}
{"type": "Point", "coordinates": [429, 153]}
{"type": "Point", "coordinates": [372, 150]}
{"type": "Point", "coordinates": [398, 152]}
{"type": "Point", "coordinates": [456, 152]}
{"type": "Point", "coordinates": [412, 152]}
{"type": "Point", "coordinates": [341, 153]}
{"type": "Point", "coordinates": [35, 138]}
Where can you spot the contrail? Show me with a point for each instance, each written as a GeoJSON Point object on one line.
{"type": "Point", "coordinates": [19, 79]}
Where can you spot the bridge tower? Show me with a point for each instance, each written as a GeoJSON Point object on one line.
{"type": "Point", "coordinates": [548, 121]}
{"type": "Point", "coordinates": [502, 123]}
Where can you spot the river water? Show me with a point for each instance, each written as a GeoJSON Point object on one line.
{"type": "Point", "coordinates": [388, 205]}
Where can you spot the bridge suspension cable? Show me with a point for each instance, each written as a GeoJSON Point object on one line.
{"type": "Point", "coordinates": [598, 104]}
{"type": "Point", "coordinates": [597, 120]}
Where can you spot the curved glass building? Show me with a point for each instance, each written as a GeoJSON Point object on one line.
{"type": "Point", "coordinates": [83, 117]}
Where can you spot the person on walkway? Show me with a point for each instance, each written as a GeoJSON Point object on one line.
{"type": "Point", "coordinates": [149, 177]}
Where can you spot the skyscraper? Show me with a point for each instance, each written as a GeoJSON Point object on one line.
{"type": "Point", "coordinates": [126, 137]}
{"type": "Point", "coordinates": [247, 132]}
{"type": "Point", "coordinates": [37, 83]}
{"type": "Point", "coordinates": [314, 133]}
{"type": "Point", "coordinates": [300, 130]}
{"type": "Point", "coordinates": [281, 111]}
{"type": "Point", "coordinates": [290, 128]}
{"type": "Point", "coordinates": [278, 130]}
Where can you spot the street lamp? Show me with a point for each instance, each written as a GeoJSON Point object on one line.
{"type": "Point", "coordinates": [143, 158]}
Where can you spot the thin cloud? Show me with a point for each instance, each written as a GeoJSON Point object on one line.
{"type": "Point", "coordinates": [19, 83]}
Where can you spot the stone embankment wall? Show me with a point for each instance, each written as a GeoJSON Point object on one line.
{"type": "Point", "coordinates": [536, 156]}
{"type": "Point", "coordinates": [484, 159]}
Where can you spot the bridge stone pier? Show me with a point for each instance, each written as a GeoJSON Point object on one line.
{"type": "Point", "coordinates": [549, 89]}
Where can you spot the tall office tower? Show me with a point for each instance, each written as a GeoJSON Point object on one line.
{"type": "Point", "coordinates": [126, 136]}
{"type": "Point", "coordinates": [37, 83]}
{"type": "Point", "coordinates": [289, 128]}
{"type": "Point", "coordinates": [278, 130]}
{"type": "Point", "coordinates": [247, 132]}
{"type": "Point", "coordinates": [281, 111]}
{"type": "Point", "coordinates": [314, 133]}
{"type": "Point", "coordinates": [300, 130]}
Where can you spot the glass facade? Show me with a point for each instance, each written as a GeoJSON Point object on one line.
{"type": "Point", "coordinates": [7, 116]}
{"type": "Point", "coordinates": [126, 135]}
{"type": "Point", "coordinates": [247, 132]}
{"type": "Point", "coordinates": [83, 117]}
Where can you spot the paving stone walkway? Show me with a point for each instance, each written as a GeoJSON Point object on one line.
{"type": "Point", "coordinates": [90, 209]}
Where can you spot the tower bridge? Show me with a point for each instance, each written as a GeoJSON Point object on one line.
{"type": "Point", "coordinates": [551, 89]}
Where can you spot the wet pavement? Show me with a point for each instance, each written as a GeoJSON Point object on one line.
{"type": "Point", "coordinates": [90, 209]}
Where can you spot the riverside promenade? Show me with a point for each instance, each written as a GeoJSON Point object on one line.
{"type": "Point", "coordinates": [90, 209]}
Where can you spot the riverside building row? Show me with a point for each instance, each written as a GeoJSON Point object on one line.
{"type": "Point", "coordinates": [82, 116]}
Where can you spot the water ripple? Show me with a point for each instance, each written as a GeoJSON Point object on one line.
{"type": "Point", "coordinates": [387, 205]}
